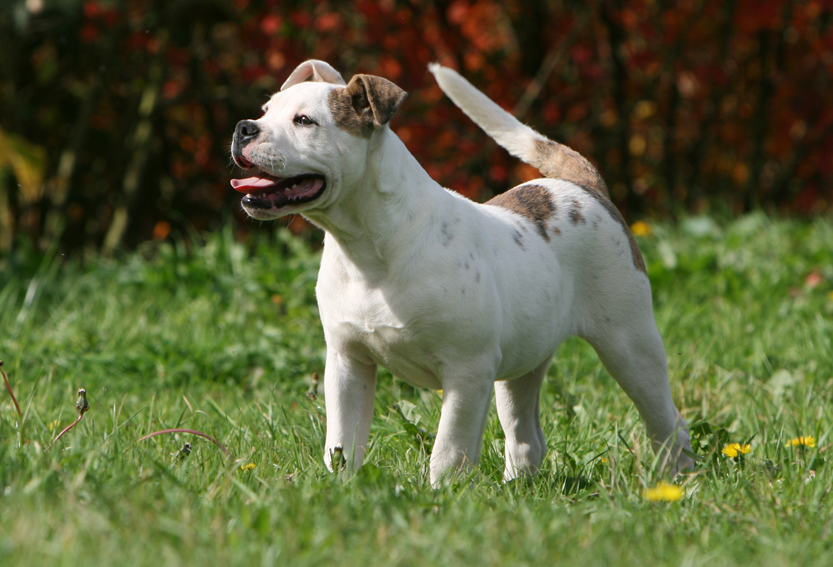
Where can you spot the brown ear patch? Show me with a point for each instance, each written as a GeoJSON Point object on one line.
{"type": "Point", "coordinates": [532, 201]}
{"type": "Point", "coordinates": [376, 98]}
{"type": "Point", "coordinates": [368, 103]}
{"type": "Point", "coordinates": [345, 116]}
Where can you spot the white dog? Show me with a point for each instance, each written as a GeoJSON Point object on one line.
{"type": "Point", "coordinates": [448, 293]}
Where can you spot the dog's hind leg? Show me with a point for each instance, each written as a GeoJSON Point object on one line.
{"type": "Point", "coordinates": [518, 407]}
{"type": "Point", "coordinates": [633, 353]}
{"type": "Point", "coordinates": [349, 390]}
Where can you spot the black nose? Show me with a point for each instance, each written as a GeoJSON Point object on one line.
{"type": "Point", "coordinates": [246, 130]}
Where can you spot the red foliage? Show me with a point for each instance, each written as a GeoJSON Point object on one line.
{"type": "Point", "coordinates": [270, 24]}
{"type": "Point", "coordinates": [679, 104]}
{"type": "Point", "coordinates": [91, 9]}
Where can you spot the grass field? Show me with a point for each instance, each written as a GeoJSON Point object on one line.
{"type": "Point", "coordinates": [223, 337]}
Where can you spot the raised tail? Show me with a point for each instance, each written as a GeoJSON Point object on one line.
{"type": "Point", "coordinates": [552, 159]}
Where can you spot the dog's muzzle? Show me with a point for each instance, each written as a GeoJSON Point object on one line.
{"type": "Point", "coordinates": [244, 132]}
{"type": "Point", "coordinates": [264, 191]}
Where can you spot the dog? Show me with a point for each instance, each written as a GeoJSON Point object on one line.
{"type": "Point", "coordinates": [447, 293]}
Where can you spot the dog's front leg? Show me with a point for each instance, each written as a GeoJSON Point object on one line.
{"type": "Point", "coordinates": [460, 434]}
{"type": "Point", "coordinates": [349, 389]}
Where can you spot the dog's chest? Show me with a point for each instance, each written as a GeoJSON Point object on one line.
{"type": "Point", "coordinates": [360, 321]}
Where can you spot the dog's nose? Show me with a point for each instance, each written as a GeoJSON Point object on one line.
{"type": "Point", "coordinates": [246, 130]}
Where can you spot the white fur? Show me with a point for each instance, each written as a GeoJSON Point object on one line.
{"type": "Point", "coordinates": [437, 288]}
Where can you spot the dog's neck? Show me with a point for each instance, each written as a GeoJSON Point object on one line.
{"type": "Point", "coordinates": [376, 220]}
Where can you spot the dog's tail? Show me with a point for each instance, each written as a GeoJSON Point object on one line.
{"type": "Point", "coordinates": [550, 158]}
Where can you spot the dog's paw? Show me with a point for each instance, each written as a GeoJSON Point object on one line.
{"type": "Point", "coordinates": [684, 464]}
{"type": "Point", "coordinates": [334, 458]}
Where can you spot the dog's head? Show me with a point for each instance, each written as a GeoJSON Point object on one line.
{"type": "Point", "coordinates": [312, 140]}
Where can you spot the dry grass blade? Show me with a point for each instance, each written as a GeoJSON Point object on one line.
{"type": "Point", "coordinates": [67, 428]}
{"type": "Point", "coordinates": [9, 388]}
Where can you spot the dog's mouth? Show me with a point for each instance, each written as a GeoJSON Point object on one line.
{"type": "Point", "coordinates": [264, 191]}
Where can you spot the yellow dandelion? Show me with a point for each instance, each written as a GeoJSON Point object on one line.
{"type": "Point", "coordinates": [736, 450]}
{"type": "Point", "coordinates": [53, 425]}
{"type": "Point", "coordinates": [640, 228]}
{"type": "Point", "coordinates": [248, 467]}
{"type": "Point", "coordinates": [802, 441]}
{"type": "Point", "coordinates": [664, 492]}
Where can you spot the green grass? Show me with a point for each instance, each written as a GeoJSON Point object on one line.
{"type": "Point", "coordinates": [223, 337]}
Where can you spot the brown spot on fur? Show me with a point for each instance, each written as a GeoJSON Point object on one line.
{"type": "Point", "coordinates": [446, 234]}
{"type": "Point", "coordinates": [557, 161]}
{"type": "Point", "coordinates": [575, 213]}
{"type": "Point", "coordinates": [638, 261]}
{"type": "Point", "coordinates": [519, 240]}
{"type": "Point", "coordinates": [532, 201]}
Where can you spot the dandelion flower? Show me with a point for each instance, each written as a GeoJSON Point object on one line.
{"type": "Point", "coordinates": [248, 467]}
{"type": "Point", "coordinates": [736, 450]}
{"type": "Point", "coordinates": [640, 228]}
{"type": "Point", "coordinates": [664, 492]}
{"type": "Point", "coordinates": [802, 441]}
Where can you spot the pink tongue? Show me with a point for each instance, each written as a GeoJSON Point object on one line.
{"type": "Point", "coordinates": [252, 184]}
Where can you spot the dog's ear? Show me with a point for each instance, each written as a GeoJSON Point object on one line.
{"type": "Point", "coordinates": [316, 71]}
{"type": "Point", "coordinates": [374, 99]}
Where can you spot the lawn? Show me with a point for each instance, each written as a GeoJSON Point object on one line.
{"type": "Point", "coordinates": [222, 337]}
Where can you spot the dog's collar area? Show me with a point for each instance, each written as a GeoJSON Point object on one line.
{"type": "Point", "coordinates": [265, 191]}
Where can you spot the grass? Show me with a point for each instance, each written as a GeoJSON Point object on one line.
{"type": "Point", "coordinates": [223, 337]}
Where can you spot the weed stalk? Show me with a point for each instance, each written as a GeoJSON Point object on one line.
{"type": "Point", "coordinates": [9, 388]}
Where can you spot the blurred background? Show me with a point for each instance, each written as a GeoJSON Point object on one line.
{"type": "Point", "coordinates": [116, 115]}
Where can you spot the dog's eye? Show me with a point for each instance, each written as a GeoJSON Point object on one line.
{"type": "Point", "coordinates": [303, 120]}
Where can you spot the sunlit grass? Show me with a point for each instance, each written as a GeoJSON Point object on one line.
{"type": "Point", "coordinates": [223, 338]}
